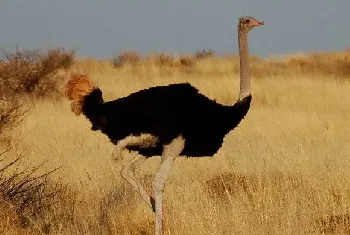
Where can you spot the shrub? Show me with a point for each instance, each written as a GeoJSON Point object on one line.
{"type": "Point", "coordinates": [26, 195]}
{"type": "Point", "coordinates": [11, 113]}
{"type": "Point", "coordinates": [31, 71]}
{"type": "Point", "coordinates": [205, 53]}
{"type": "Point", "coordinates": [126, 58]}
{"type": "Point", "coordinates": [187, 61]}
{"type": "Point", "coordinates": [164, 60]}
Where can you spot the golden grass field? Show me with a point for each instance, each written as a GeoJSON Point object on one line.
{"type": "Point", "coordinates": [284, 170]}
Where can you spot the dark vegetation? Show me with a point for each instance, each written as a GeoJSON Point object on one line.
{"type": "Point", "coordinates": [319, 63]}
{"type": "Point", "coordinates": [32, 72]}
{"type": "Point", "coordinates": [26, 192]}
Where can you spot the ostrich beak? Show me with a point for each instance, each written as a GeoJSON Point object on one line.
{"type": "Point", "coordinates": [258, 23]}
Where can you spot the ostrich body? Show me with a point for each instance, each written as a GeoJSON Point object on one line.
{"type": "Point", "coordinates": [171, 121]}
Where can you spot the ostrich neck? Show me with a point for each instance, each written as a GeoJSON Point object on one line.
{"type": "Point", "coordinates": [244, 89]}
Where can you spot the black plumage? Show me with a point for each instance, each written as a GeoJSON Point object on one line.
{"type": "Point", "coordinates": [166, 112]}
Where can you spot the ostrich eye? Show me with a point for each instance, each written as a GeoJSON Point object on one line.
{"type": "Point", "coordinates": [247, 21]}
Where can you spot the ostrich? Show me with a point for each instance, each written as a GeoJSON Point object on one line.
{"type": "Point", "coordinates": [170, 121]}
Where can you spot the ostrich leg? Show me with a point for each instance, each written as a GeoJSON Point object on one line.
{"type": "Point", "coordinates": [170, 152]}
{"type": "Point", "coordinates": [128, 173]}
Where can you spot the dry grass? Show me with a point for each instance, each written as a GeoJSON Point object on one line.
{"type": "Point", "coordinates": [284, 170]}
{"type": "Point", "coordinates": [205, 63]}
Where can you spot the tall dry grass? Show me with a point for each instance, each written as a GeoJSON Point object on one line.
{"type": "Point", "coordinates": [284, 170]}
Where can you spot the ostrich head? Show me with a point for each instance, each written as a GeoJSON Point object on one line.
{"type": "Point", "coordinates": [246, 23]}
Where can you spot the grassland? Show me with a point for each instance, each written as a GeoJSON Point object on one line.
{"type": "Point", "coordinates": [284, 170]}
